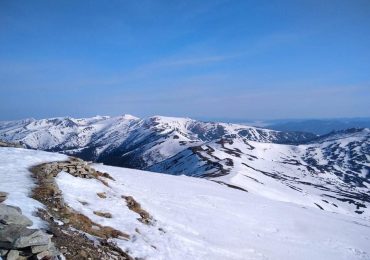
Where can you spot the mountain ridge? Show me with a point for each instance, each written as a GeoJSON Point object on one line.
{"type": "Point", "coordinates": [330, 172]}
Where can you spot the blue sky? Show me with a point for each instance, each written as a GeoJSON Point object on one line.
{"type": "Point", "coordinates": [202, 59]}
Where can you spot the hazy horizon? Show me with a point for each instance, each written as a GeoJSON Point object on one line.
{"type": "Point", "coordinates": [209, 119]}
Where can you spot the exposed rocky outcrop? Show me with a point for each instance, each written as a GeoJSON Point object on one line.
{"type": "Point", "coordinates": [74, 166]}
{"type": "Point", "coordinates": [69, 232]}
{"type": "Point", "coordinates": [72, 230]}
{"type": "Point", "coordinates": [102, 195]}
{"type": "Point", "coordinates": [3, 196]}
{"type": "Point", "coordinates": [18, 241]}
{"type": "Point", "coordinates": [10, 215]}
{"type": "Point", "coordinates": [8, 144]}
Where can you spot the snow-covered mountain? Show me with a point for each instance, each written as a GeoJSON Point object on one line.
{"type": "Point", "coordinates": [190, 218]}
{"type": "Point", "coordinates": [330, 172]}
{"type": "Point", "coordinates": [130, 141]}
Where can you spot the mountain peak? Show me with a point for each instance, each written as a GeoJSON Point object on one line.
{"type": "Point", "coordinates": [129, 117]}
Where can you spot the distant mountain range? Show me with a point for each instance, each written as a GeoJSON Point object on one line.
{"type": "Point", "coordinates": [316, 126]}
{"type": "Point", "coordinates": [329, 172]}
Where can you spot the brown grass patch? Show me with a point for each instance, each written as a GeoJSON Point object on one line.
{"type": "Point", "coordinates": [103, 214]}
{"type": "Point", "coordinates": [135, 206]}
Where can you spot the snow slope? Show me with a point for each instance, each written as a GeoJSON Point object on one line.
{"type": "Point", "coordinates": [195, 218]}
{"type": "Point", "coordinates": [15, 177]}
{"type": "Point", "coordinates": [331, 172]}
{"type": "Point", "coordinates": [211, 221]}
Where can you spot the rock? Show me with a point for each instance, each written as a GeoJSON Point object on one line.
{"type": "Point", "coordinates": [3, 252]}
{"type": "Point", "coordinates": [53, 251]}
{"type": "Point", "coordinates": [65, 220]}
{"type": "Point", "coordinates": [38, 249]}
{"type": "Point", "coordinates": [23, 257]}
{"type": "Point", "coordinates": [9, 234]}
{"type": "Point", "coordinates": [84, 175]}
{"type": "Point", "coordinates": [36, 238]}
{"type": "Point", "coordinates": [12, 255]}
{"type": "Point", "coordinates": [44, 255]}
{"type": "Point", "coordinates": [5, 245]}
{"type": "Point", "coordinates": [102, 195]}
{"type": "Point", "coordinates": [3, 196]}
{"type": "Point", "coordinates": [17, 242]}
{"type": "Point", "coordinates": [13, 215]}
{"type": "Point", "coordinates": [78, 159]}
